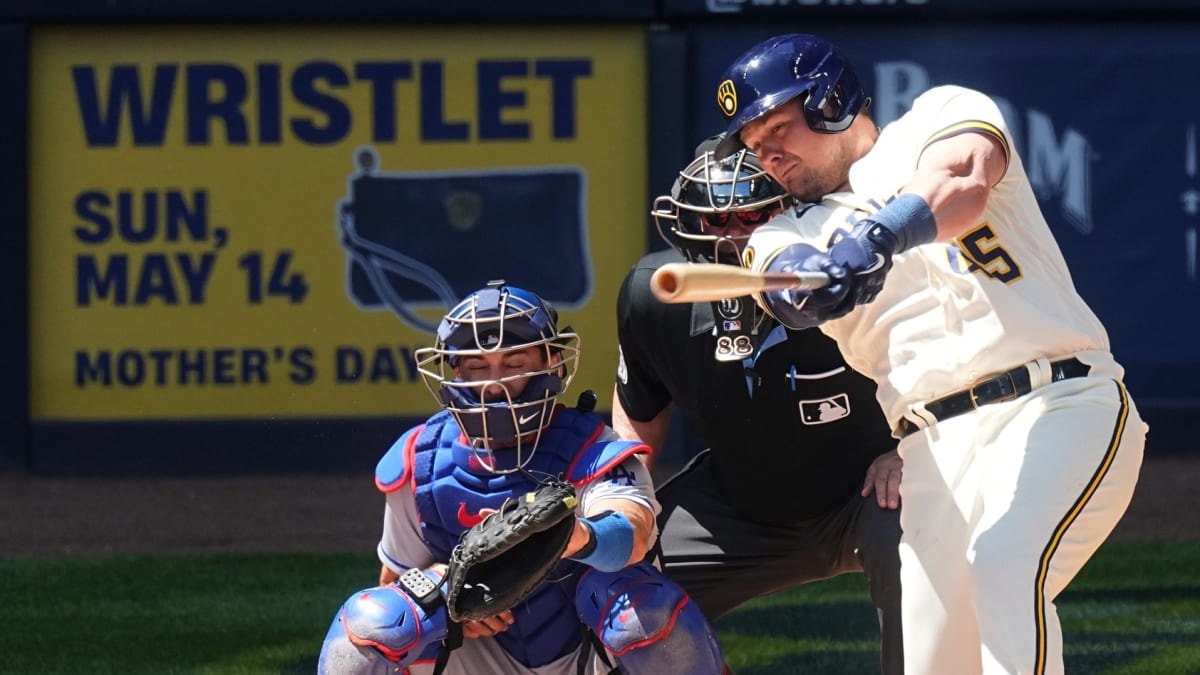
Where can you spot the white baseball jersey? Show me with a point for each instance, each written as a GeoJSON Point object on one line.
{"type": "Point", "coordinates": [1003, 505]}
{"type": "Point", "coordinates": [998, 296]}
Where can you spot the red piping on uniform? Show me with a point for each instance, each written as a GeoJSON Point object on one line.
{"type": "Point", "coordinates": [632, 450]}
{"type": "Point", "coordinates": [660, 635]}
{"type": "Point", "coordinates": [409, 455]}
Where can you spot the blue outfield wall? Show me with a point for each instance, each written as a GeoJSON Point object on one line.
{"type": "Point", "coordinates": [1113, 159]}
{"type": "Point", "coordinates": [14, 344]}
{"type": "Point", "coordinates": [454, 11]}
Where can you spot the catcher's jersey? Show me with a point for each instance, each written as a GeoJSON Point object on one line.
{"type": "Point", "coordinates": [997, 296]}
{"type": "Point", "coordinates": [402, 544]}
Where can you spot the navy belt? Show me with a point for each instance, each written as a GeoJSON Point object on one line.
{"type": "Point", "coordinates": [994, 389]}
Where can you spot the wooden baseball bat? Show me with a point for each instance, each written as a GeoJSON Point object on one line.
{"type": "Point", "coordinates": [706, 282]}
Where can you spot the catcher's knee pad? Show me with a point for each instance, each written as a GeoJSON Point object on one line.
{"type": "Point", "coordinates": [647, 622]}
{"type": "Point", "coordinates": [378, 630]}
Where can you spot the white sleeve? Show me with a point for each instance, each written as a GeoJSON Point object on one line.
{"type": "Point", "coordinates": [628, 480]}
{"type": "Point", "coordinates": [402, 546]}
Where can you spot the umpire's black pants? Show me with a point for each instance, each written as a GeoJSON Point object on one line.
{"type": "Point", "coordinates": [724, 559]}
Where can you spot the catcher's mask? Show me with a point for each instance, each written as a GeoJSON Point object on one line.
{"type": "Point", "coordinates": [497, 413]}
{"type": "Point", "coordinates": [708, 191]}
{"type": "Point", "coordinates": [780, 69]}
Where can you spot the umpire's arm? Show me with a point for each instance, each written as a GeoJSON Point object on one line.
{"type": "Point", "coordinates": [652, 432]}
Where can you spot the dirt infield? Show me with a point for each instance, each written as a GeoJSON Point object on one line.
{"type": "Point", "coordinates": [341, 513]}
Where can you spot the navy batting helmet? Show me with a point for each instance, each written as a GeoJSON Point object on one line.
{"type": "Point", "coordinates": [774, 72]}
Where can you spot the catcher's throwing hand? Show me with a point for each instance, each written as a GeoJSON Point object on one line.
{"type": "Point", "coordinates": [487, 627]}
{"type": "Point", "coordinates": [883, 478]}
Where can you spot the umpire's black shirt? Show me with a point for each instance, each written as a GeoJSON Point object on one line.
{"type": "Point", "coordinates": [792, 432]}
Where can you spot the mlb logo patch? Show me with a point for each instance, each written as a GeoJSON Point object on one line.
{"type": "Point", "coordinates": [732, 325]}
{"type": "Point", "coordinates": [825, 410]}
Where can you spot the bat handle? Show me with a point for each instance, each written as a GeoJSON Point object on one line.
{"type": "Point", "coordinates": [804, 281]}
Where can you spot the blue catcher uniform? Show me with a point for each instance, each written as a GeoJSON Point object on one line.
{"type": "Point", "coordinates": [645, 622]}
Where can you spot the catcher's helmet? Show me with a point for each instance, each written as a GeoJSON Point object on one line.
{"type": "Point", "coordinates": [709, 190]}
{"type": "Point", "coordinates": [500, 319]}
{"type": "Point", "coordinates": [774, 72]}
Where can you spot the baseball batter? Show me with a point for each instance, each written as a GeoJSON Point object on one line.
{"type": "Point", "coordinates": [1021, 445]}
{"type": "Point", "coordinates": [498, 367]}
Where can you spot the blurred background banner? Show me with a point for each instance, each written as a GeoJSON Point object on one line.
{"type": "Point", "coordinates": [265, 222]}
{"type": "Point", "coordinates": [234, 222]}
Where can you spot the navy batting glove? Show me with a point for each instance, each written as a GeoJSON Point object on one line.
{"type": "Point", "coordinates": [799, 309]}
{"type": "Point", "coordinates": [866, 252]}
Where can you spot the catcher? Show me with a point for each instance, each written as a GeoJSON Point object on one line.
{"type": "Point", "coordinates": [514, 525]}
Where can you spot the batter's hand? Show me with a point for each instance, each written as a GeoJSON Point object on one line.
{"type": "Point", "coordinates": [883, 478]}
{"type": "Point", "coordinates": [866, 253]}
{"type": "Point", "coordinates": [800, 309]}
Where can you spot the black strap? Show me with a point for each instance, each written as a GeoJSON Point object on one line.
{"type": "Point", "coordinates": [585, 650]}
{"type": "Point", "coordinates": [995, 389]}
{"type": "Point", "coordinates": [452, 641]}
{"type": "Point", "coordinates": [421, 589]}
{"type": "Point", "coordinates": [587, 401]}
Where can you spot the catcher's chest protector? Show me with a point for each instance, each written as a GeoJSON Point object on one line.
{"type": "Point", "coordinates": [450, 490]}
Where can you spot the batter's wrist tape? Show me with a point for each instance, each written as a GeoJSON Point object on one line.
{"type": "Point", "coordinates": [909, 219]}
{"type": "Point", "coordinates": [610, 543]}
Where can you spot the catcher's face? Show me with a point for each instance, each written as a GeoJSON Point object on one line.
{"type": "Point", "coordinates": [509, 370]}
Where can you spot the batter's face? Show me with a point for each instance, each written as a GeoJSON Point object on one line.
{"type": "Point", "coordinates": [500, 365]}
{"type": "Point", "coordinates": [808, 164]}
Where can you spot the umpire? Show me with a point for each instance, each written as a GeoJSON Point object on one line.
{"type": "Point", "coordinates": [800, 478]}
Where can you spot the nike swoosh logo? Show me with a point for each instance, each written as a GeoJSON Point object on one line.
{"type": "Point", "coordinates": [467, 519]}
{"type": "Point", "coordinates": [523, 420]}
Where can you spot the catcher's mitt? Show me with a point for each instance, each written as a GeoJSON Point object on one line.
{"type": "Point", "coordinates": [503, 558]}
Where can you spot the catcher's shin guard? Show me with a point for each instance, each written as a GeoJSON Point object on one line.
{"type": "Point", "coordinates": [378, 630]}
{"type": "Point", "coordinates": [647, 622]}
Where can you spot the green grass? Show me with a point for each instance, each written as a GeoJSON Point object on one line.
{"type": "Point", "coordinates": [1134, 610]}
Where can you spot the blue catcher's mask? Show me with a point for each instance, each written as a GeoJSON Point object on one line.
{"type": "Point", "coordinates": [507, 413]}
{"type": "Point", "coordinates": [778, 70]}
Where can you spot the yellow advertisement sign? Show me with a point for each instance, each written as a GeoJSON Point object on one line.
{"type": "Point", "coordinates": [242, 222]}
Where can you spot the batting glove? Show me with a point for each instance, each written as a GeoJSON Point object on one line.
{"type": "Point", "coordinates": [866, 252]}
{"type": "Point", "coordinates": [799, 309]}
